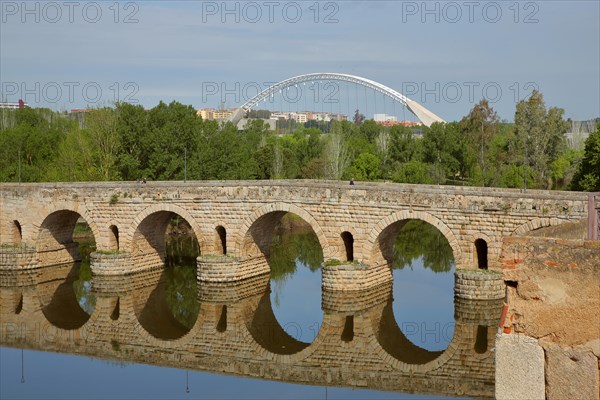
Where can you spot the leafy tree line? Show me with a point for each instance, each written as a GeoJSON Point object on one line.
{"type": "Point", "coordinates": [126, 142]}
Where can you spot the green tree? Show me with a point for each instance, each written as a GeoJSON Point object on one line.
{"type": "Point", "coordinates": [587, 176]}
{"type": "Point", "coordinates": [441, 143]}
{"type": "Point", "coordinates": [370, 130]}
{"type": "Point", "coordinates": [541, 135]}
{"type": "Point", "coordinates": [101, 126]}
{"type": "Point", "coordinates": [404, 147]}
{"type": "Point", "coordinates": [30, 143]}
{"type": "Point", "coordinates": [383, 143]}
{"type": "Point", "coordinates": [364, 168]}
{"type": "Point", "coordinates": [478, 128]}
{"type": "Point", "coordinates": [336, 154]}
{"type": "Point", "coordinates": [77, 159]}
{"type": "Point", "coordinates": [134, 132]}
{"type": "Point", "coordinates": [413, 172]}
{"type": "Point", "coordinates": [173, 128]}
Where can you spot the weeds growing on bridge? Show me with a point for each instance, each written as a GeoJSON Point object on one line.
{"type": "Point", "coordinates": [114, 198]}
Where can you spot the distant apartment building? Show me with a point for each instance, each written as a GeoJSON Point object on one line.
{"type": "Point", "coordinates": [409, 124]}
{"type": "Point", "coordinates": [325, 116]}
{"type": "Point", "coordinates": [214, 114]}
{"type": "Point", "coordinates": [7, 105]}
{"type": "Point", "coordinates": [279, 115]}
{"type": "Point", "coordinates": [300, 117]}
{"type": "Point", "coordinates": [384, 118]}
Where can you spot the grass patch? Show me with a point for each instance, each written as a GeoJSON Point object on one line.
{"type": "Point", "coordinates": [109, 252]}
{"type": "Point", "coordinates": [114, 198]}
{"type": "Point", "coordinates": [480, 271]}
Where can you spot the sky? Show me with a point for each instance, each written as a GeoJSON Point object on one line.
{"type": "Point", "coordinates": [446, 55]}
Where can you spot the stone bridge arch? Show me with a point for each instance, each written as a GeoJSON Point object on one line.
{"type": "Point", "coordinates": [536, 224]}
{"type": "Point", "coordinates": [53, 237]}
{"type": "Point", "coordinates": [247, 241]}
{"type": "Point", "coordinates": [33, 231]}
{"type": "Point", "coordinates": [144, 239]}
{"type": "Point", "coordinates": [379, 245]}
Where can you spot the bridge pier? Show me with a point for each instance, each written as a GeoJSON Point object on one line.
{"type": "Point", "coordinates": [112, 263]}
{"type": "Point", "coordinates": [17, 292]}
{"type": "Point", "coordinates": [58, 254]}
{"type": "Point", "coordinates": [19, 258]}
{"type": "Point", "coordinates": [353, 277]}
{"type": "Point", "coordinates": [224, 268]}
{"type": "Point", "coordinates": [479, 284]}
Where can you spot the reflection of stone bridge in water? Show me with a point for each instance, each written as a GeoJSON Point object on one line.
{"type": "Point", "coordinates": [359, 343]}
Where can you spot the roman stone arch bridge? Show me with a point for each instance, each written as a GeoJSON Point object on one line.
{"type": "Point", "coordinates": [233, 222]}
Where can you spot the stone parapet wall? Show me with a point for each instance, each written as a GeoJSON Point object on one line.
{"type": "Point", "coordinates": [479, 285]}
{"type": "Point", "coordinates": [355, 277]}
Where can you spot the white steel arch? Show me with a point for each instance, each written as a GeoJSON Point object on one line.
{"type": "Point", "coordinates": [423, 114]}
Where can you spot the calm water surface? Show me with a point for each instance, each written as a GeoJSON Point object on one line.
{"type": "Point", "coordinates": [423, 309]}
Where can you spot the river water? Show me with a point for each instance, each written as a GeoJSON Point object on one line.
{"type": "Point", "coordinates": [189, 350]}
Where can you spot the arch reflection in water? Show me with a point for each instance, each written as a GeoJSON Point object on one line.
{"type": "Point", "coordinates": [351, 354]}
{"type": "Point", "coordinates": [295, 259]}
{"type": "Point", "coordinates": [66, 294]}
{"type": "Point", "coordinates": [423, 275]}
{"type": "Point", "coordinates": [166, 301]}
{"type": "Point", "coordinates": [266, 330]}
{"type": "Point", "coordinates": [67, 299]}
{"type": "Point", "coordinates": [166, 296]}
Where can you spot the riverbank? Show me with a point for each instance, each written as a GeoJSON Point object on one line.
{"type": "Point", "coordinates": [550, 345]}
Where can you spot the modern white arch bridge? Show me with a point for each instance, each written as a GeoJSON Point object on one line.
{"type": "Point", "coordinates": [424, 115]}
{"type": "Point", "coordinates": [234, 221]}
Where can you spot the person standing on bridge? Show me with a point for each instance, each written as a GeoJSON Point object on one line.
{"type": "Point", "coordinates": [351, 181]}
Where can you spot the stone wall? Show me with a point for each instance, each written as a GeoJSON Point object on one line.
{"type": "Point", "coordinates": [553, 288]}
{"type": "Point", "coordinates": [553, 294]}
